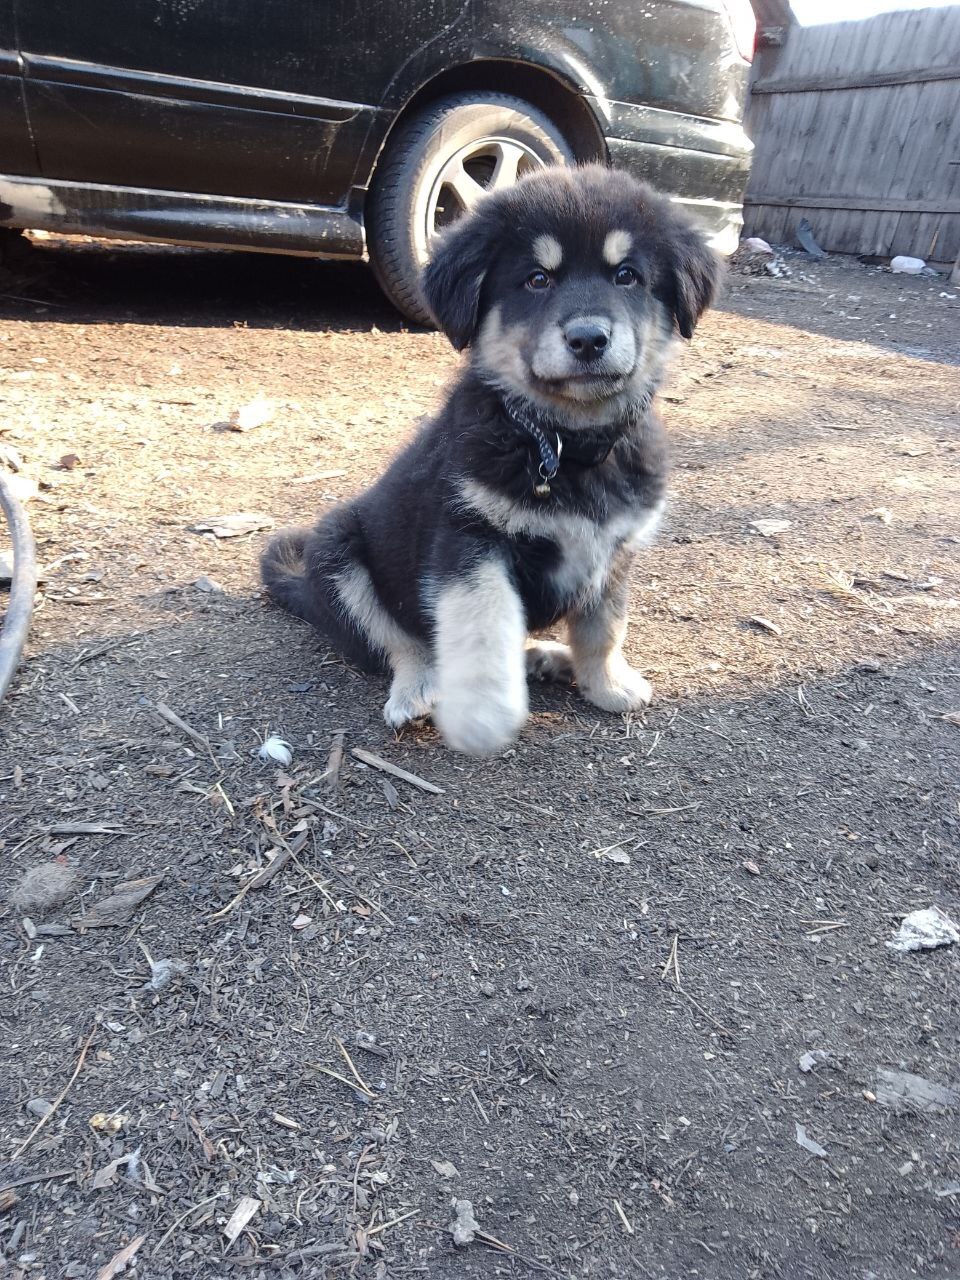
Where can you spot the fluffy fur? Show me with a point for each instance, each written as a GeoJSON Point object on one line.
{"type": "Point", "coordinates": [569, 289]}
{"type": "Point", "coordinates": [44, 887]}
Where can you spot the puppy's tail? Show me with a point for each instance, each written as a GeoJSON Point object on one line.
{"type": "Point", "coordinates": [282, 570]}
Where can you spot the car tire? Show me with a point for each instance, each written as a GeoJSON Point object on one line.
{"type": "Point", "coordinates": [439, 161]}
{"type": "Point", "coordinates": [15, 250]}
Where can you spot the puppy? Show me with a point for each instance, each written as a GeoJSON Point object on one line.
{"type": "Point", "coordinates": [521, 503]}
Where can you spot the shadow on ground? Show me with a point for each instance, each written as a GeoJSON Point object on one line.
{"type": "Point", "coordinates": [81, 282]}
{"type": "Point", "coordinates": [582, 977]}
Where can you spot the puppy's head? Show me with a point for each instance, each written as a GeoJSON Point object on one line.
{"type": "Point", "coordinates": [570, 287]}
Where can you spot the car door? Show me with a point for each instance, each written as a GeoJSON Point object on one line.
{"type": "Point", "coordinates": [17, 153]}
{"type": "Point", "coordinates": [259, 98]}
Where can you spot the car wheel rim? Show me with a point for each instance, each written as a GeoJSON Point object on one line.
{"type": "Point", "coordinates": [482, 166]}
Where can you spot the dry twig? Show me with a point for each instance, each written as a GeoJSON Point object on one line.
{"type": "Point", "coordinates": [59, 1098]}
{"type": "Point", "coordinates": [627, 1224]}
{"type": "Point", "coordinates": [183, 1217]}
{"type": "Point", "coordinates": [673, 962]}
{"type": "Point", "coordinates": [29, 1178]}
{"type": "Point", "coordinates": [376, 762]}
{"type": "Point", "coordinates": [334, 761]}
{"type": "Point", "coordinates": [118, 1263]}
{"type": "Point", "coordinates": [361, 1083]}
{"type": "Point", "coordinates": [385, 1226]}
{"type": "Point", "coordinates": [194, 735]}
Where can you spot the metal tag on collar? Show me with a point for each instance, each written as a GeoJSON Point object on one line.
{"type": "Point", "coordinates": [542, 490]}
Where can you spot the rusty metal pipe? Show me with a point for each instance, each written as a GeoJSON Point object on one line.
{"type": "Point", "coordinates": [16, 621]}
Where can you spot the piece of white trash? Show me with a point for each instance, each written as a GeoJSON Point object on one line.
{"type": "Point", "coordinates": [804, 1140]}
{"type": "Point", "coordinates": [925, 930]}
{"type": "Point", "coordinates": [464, 1226]}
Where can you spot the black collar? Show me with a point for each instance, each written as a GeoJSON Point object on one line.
{"type": "Point", "coordinates": [588, 447]}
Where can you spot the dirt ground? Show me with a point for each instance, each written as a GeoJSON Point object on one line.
{"type": "Point", "coordinates": [577, 983]}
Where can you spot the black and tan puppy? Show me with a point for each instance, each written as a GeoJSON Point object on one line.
{"type": "Point", "coordinates": [520, 504]}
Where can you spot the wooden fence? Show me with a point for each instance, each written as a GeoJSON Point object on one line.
{"type": "Point", "coordinates": [857, 127]}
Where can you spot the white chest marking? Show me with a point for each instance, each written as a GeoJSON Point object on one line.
{"type": "Point", "coordinates": [586, 549]}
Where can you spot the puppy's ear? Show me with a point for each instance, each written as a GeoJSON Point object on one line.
{"type": "Point", "coordinates": [453, 278]}
{"type": "Point", "coordinates": [693, 276]}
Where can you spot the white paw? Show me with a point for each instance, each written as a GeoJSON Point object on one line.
{"type": "Point", "coordinates": [549, 660]}
{"type": "Point", "coordinates": [618, 688]}
{"type": "Point", "coordinates": [408, 702]}
{"type": "Point", "coordinates": [480, 724]}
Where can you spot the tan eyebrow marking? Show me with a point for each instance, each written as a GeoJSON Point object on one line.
{"type": "Point", "coordinates": [616, 247]}
{"type": "Point", "coordinates": [548, 251]}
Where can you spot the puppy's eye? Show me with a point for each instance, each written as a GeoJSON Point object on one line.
{"type": "Point", "coordinates": [625, 276]}
{"type": "Point", "coordinates": [538, 280]}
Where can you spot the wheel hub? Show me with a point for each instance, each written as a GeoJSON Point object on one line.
{"type": "Point", "coordinates": [479, 167]}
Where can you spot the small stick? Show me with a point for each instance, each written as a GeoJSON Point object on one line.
{"type": "Point", "coordinates": [364, 1087]}
{"type": "Point", "coordinates": [171, 717]}
{"type": "Point", "coordinates": [231, 905]}
{"type": "Point", "coordinates": [677, 808]}
{"type": "Point", "coordinates": [376, 762]}
{"type": "Point", "coordinates": [273, 868]}
{"type": "Point", "coordinates": [406, 852]}
{"type": "Point", "coordinates": [341, 817]}
{"type": "Point", "coordinates": [226, 799]}
{"type": "Point", "coordinates": [30, 1178]}
{"type": "Point", "coordinates": [493, 1243]}
{"type": "Point", "coordinates": [709, 1016]}
{"type": "Point", "coordinates": [59, 1098]}
{"type": "Point", "coordinates": [356, 1175]}
{"type": "Point", "coordinates": [608, 848]}
{"type": "Point", "coordinates": [317, 884]}
{"type": "Point", "coordinates": [473, 1095]}
{"type": "Point", "coordinates": [673, 961]}
{"type": "Point", "coordinates": [257, 881]}
{"type": "Point", "coordinates": [357, 894]}
{"type": "Point", "coordinates": [334, 761]}
{"type": "Point", "coordinates": [627, 1224]}
{"type": "Point", "coordinates": [317, 475]}
{"type": "Point", "coordinates": [183, 1217]}
{"type": "Point", "coordinates": [547, 813]}
{"type": "Point", "coordinates": [385, 1226]}
{"type": "Point", "coordinates": [100, 650]}
{"type": "Point", "coordinates": [118, 1263]}
{"type": "Point", "coordinates": [335, 1075]}
{"type": "Point", "coordinates": [85, 829]}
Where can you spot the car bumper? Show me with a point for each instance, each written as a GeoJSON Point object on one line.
{"type": "Point", "coordinates": [701, 164]}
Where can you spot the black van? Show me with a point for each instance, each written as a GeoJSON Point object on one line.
{"type": "Point", "coordinates": [335, 127]}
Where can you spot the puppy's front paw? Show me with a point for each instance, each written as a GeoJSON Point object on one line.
{"type": "Point", "coordinates": [479, 724]}
{"type": "Point", "coordinates": [408, 702]}
{"type": "Point", "coordinates": [549, 660]}
{"type": "Point", "coordinates": [617, 688]}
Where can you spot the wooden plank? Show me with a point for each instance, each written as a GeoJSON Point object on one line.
{"type": "Point", "coordinates": [841, 148]}
{"type": "Point", "coordinates": [857, 80]}
{"type": "Point", "coordinates": [874, 167]}
{"type": "Point", "coordinates": [863, 204]}
{"type": "Point", "coordinates": [882, 108]}
{"type": "Point", "coordinates": [900, 131]}
{"type": "Point", "coordinates": [887, 224]}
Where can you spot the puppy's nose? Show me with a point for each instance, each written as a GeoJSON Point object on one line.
{"type": "Point", "coordinates": [587, 339]}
